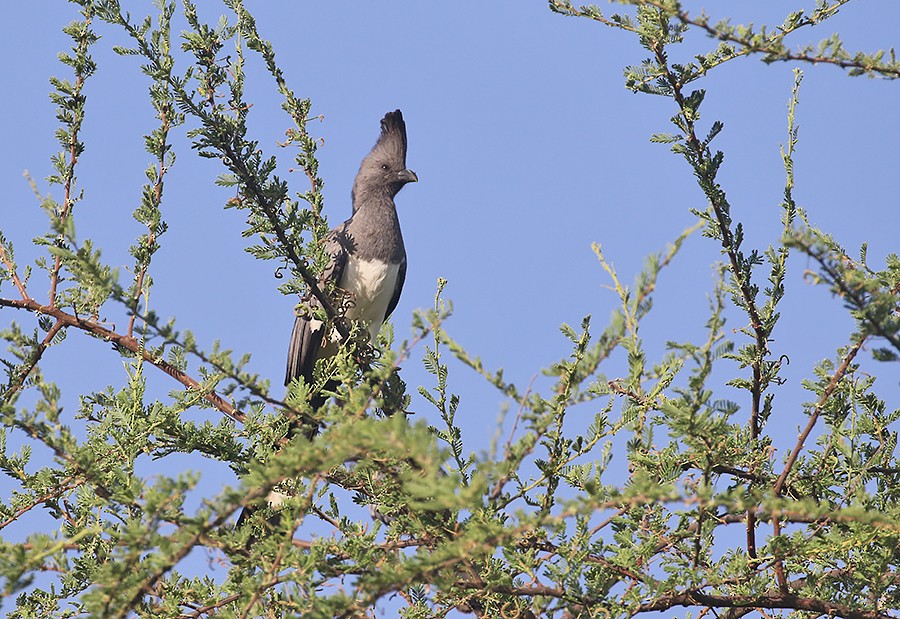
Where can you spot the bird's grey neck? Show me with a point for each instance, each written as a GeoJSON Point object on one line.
{"type": "Point", "coordinates": [379, 204]}
{"type": "Point", "coordinates": [375, 229]}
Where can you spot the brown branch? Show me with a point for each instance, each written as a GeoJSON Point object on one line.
{"type": "Point", "coordinates": [7, 262]}
{"type": "Point", "coordinates": [129, 343]}
{"type": "Point", "coordinates": [769, 600]}
{"type": "Point", "coordinates": [774, 49]}
{"type": "Point", "coordinates": [832, 385]}
{"type": "Point", "coordinates": [270, 210]}
{"type": "Point", "coordinates": [719, 206]}
{"type": "Point", "coordinates": [785, 56]}
{"type": "Point", "coordinates": [208, 608]}
{"type": "Point", "coordinates": [801, 440]}
{"type": "Point", "coordinates": [66, 484]}
{"type": "Point", "coordinates": [29, 365]}
{"type": "Point", "coordinates": [693, 598]}
{"type": "Point", "coordinates": [780, 575]}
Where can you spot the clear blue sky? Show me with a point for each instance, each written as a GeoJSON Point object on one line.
{"type": "Point", "coordinates": [528, 149]}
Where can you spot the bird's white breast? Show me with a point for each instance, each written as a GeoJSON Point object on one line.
{"type": "Point", "coordinates": [372, 283]}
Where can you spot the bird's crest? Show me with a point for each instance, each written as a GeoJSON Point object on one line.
{"type": "Point", "coordinates": [392, 141]}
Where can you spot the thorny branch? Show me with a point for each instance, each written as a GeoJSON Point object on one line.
{"type": "Point", "coordinates": [773, 48]}
{"type": "Point", "coordinates": [235, 162]}
{"type": "Point", "coordinates": [826, 394]}
{"type": "Point", "coordinates": [129, 343]}
{"type": "Point", "coordinates": [151, 234]}
{"type": "Point", "coordinates": [772, 600]}
{"type": "Point", "coordinates": [720, 208]}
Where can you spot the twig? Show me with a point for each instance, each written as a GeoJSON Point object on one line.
{"type": "Point", "coordinates": [151, 238]}
{"type": "Point", "coordinates": [7, 262]}
{"type": "Point", "coordinates": [73, 160]}
{"type": "Point", "coordinates": [847, 291]}
{"type": "Point", "coordinates": [507, 450]}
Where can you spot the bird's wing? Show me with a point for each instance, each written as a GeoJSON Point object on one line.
{"type": "Point", "coordinates": [308, 333]}
{"type": "Point", "coordinates": [398, 288]}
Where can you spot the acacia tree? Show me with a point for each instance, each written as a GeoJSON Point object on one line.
{"type": "Point", "coordinates": [529, 530]}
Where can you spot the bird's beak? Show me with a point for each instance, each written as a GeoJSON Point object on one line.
{"type": "Point", "coordinates": [407, 176]}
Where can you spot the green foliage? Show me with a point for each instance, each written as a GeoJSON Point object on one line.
{"type": "Point", "coordinates": [540, 525]}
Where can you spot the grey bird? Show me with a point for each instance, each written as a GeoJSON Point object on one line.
{"type": "Point", "coordinates": [367, 260]}
{"type": "Point", "coordinates": [367, 256]}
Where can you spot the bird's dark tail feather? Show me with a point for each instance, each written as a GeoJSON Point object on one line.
{"type": "Point", "coordinates": [310, 428]}
{"type": "Point", "coordinates": [272, 523]}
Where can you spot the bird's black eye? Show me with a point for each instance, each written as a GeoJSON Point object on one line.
{"type": "Point", "coordinates": [384, 167]}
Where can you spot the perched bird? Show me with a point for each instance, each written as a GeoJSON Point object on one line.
{"type": "Point", "coordinates": [367, 257]}
{"type": "Point", "coordinates": [367, 261]}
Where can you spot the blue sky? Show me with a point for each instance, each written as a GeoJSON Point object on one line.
{"type": "Point", "coordinates": [528, 149]}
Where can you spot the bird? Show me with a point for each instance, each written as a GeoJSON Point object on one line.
{"type": "Point", "coordinates": [366, 255]}
{"type": "Point", "coordinates": [366, 260]}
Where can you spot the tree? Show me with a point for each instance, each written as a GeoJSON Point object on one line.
{"type": "Point", "coordinates": [534, 528]}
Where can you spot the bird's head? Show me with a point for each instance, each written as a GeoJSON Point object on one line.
{"type": "Point", "coordinates": [384, 168]}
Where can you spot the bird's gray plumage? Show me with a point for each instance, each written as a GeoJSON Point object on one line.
{"type": "Point", "coordinates": [367, 256]}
